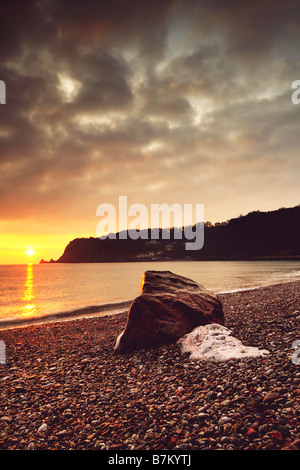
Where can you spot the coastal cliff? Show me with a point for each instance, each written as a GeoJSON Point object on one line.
{"type": "Point", "coordinates": [255, 236]}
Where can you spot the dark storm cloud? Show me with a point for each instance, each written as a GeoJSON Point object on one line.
{"type": "Point", "coordinates": [104, 83]}
{"type": "Point", "coordinates": [250, 28]}
{"type": "Point", "coordinates": [22, 21]}
{"type": "Point", "coordinates": [141, 24]}
{"type": "Point", "coordinates": [138, 96]}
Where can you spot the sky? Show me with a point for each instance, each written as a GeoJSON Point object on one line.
{"type": "Point", "coordinates": [167, 101]}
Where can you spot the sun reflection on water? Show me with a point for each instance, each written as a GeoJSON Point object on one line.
{"type": "Point", "coordinates": [28, 295]}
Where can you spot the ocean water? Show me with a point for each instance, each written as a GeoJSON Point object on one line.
{"type": "Point", "coordinates": [69, 290]}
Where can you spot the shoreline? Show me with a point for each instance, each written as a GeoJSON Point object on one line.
{"type": "Point", "coordinates": [106, 309]}
{"type": "Point", "coordinates": [77, 314]}
{"type": "Point", "coordinates": [64, 388]}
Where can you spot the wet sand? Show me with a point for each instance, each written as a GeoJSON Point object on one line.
{"type": "Point", "coordinates": [62, 386]}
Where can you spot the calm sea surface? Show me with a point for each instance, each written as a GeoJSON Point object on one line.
{"type": "Point", "coordinates": [29, 291]}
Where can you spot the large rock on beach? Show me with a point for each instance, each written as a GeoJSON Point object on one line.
{"type": "Point", "coordinates": [168, 307]}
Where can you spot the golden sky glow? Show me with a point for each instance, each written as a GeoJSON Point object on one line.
{"type": "Point", "coordinates": [14, 247]}
{"type": "Point", "coordinates": [164, 102]}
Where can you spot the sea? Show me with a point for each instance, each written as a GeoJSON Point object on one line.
{"type": "Point", "coordinates": [37, 293]}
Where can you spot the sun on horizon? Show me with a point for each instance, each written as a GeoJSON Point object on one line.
{"type": "Point", "coordinates": [30, 252]}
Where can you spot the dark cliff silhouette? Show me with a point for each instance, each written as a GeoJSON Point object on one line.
{"type": "Point", "coordinates": [256, 236]}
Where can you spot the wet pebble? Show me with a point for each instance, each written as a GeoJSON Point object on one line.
{"type": "Point", "coordinates": [64, 388]}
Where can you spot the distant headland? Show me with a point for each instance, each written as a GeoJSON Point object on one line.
{"type": "Point", "coordinates": [273, 235]}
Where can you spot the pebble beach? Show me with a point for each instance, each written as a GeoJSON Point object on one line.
{"type": "Point", "coordinates": [63, 387]}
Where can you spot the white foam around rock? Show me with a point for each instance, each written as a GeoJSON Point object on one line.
{"type": "Point", "coordinates": [215, 342]}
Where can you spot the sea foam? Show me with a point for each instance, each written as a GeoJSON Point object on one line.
{"type": "Point", "coordinates": [216, 343]}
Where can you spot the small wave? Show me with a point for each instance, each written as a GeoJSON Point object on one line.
{"type": "Point", "coordinates": [231, 291]}
{"type": "Point", "coordinates": [292, 274]}
{"type": "Point", "coordinates": [282, 279]}
{"type": "Point", "coordinates": [109, 308]}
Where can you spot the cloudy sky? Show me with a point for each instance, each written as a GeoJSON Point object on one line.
{"type": "Point", "coordinates": [164, 101]}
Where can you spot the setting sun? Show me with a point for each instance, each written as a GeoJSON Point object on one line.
{"type": "Point", "coordinates": [30, 252]}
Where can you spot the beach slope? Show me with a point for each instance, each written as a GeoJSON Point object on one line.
{"type": "Point", "coordinates": [62, 387]}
